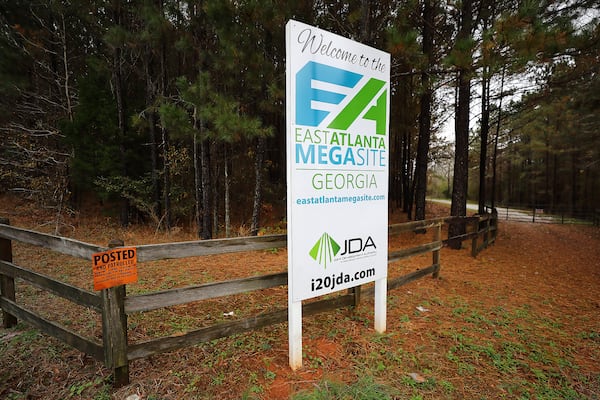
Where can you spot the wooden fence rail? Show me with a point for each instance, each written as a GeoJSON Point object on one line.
{"type": "Point", "coordinates": [115, 306]}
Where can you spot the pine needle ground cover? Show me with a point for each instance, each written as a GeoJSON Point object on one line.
{"type": "Point", "coordinates": [520, 321]}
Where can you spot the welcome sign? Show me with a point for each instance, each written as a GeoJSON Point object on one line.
{"type": "Point", "coordinates": [337, 161]}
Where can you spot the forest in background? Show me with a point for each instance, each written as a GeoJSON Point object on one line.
{"type": "Point", "coordinates": [173, 112]}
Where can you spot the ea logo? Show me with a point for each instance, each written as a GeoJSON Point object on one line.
{"type": "Point", "coordinates": [358, 105]}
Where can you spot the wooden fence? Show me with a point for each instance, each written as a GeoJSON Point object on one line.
{"type": "Point", "coordinates": [114, 305]}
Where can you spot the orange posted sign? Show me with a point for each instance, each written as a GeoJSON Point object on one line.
{"type": "Point", "coordinates": [114, 267]}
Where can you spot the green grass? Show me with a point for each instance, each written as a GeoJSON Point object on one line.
{"type": "Point", "coordinates": [462, 348]}
{"type": "Point", "coordinates": [517, 346]}
{"type": "Point", "coordinates": [366, 388]}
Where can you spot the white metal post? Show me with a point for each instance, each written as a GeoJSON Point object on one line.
{"type": "Point", "coordinates": [295, 333]}
{"type": "Point", "coordinates": [380, 305]}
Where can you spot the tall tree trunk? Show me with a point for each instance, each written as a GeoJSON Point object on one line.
{"type": "Point", "coordinates": [67, 72]}
{"type": "Point", "coordinates": [365, 9]}
{"type": "Point", "coordinates": [484, 133]}
{"type": "Point", "coordinates": [258, 166]}
{"type": "Point", "coordinates": [460, 180]}
{"type": "Point", "coordinates": [574, 173]}
{"type": "Point", "coordinates": [397, 172]}
{"type": "Point", "coordinates": [153, 143]}
{"type": "Point", "coordinates": [511, 183]}
{"type": "Point", "coordinates": [201, 177]}
{"type": "Point", "coordinates": [165, 135]}
{"type": "Point", "coordinates": [495, 156]}
{"type": "Point", "coordinates": [555, 183]}
{"type": "Point", "coordinates": [406, 175]}
{"type": "Point", "coordinates": [425, 114]}
{"type": "Point", "coordinates": [166, 180]}
{"type": "Point", "coordinates": [227, 183]}
{"type": "Point", "coordinates": [547, 171]}
{"type": "Point", "coordinates": [154, 159]}
{"type": "Point", "coordinates": [120, 100]}
{"type": "Point", "coordinates": [215, 189]}
{"type": "Point", "coordinates": [197, 173]}
{"type": "Point", "coordinates": [206, 232]}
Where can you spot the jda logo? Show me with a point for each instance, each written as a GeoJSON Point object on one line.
{"type": "Point", "coordinates": [325, 249]}
{"type": "Point", "coordinates": [356, 107]}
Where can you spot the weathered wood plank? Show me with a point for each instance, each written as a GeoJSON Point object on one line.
{"type": "Point", "coordinates": [7, 283]}
{"type": "Point", "coordinates": [460, 220]}
{"type": "Point", "coordinates": [206, 247]}
{"type": "Point", "coordinates": [172, 297]}
{"type": "Point", "coordinates": [59, 244]}
{"type": "Point", "coordinates": [152, 301]}
{"type": "Point", "coordinates": [414, 251]}
{"type": "Point", "coordinates": [73, 339]}
{"type": "Point", "coordinates": [394, 283]}
{"type": "Point", "coordinates": [320, 306]}
{"type": "Point", "coordinates": [413, 276]}
{"type": "Point", "coordinates": [462, 238]}
{"type": "Point", "coordinates": [414, 225]}
{"type": "Point", "coordinates": [61, 289]}
{"type": "Point", "coordinates": [169, 343]}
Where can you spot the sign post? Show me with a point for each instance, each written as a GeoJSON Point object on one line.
{"type": "Point", "coordinates": [337, 112]}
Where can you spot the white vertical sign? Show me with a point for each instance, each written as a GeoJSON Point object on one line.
{"type": "Point", "coordinates": [338, 95]}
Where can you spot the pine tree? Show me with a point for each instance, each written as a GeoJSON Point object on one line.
{"type": "Point", "coordinates": [429, 12]}
{"type": "Point", "coordinates": [462, 53]}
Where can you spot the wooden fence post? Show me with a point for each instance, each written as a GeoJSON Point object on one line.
{"type": "Point", "coordinates": [494, 224]}
{"type": "Point", "coordinates": [114, 330]}
{"type": "Point", "coordinates": [475, 236]}
{"type": "Point", "coordinates": [7, 283]}
{"type": "Point", "coordinates": [486, 236]}
{"type": "Point", "coordinates": [437, 236]}
{"type": "Point", "coordinates": [356, 293]}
